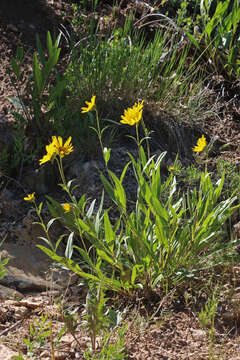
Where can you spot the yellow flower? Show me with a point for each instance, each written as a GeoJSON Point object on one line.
{"type": "Point", "coordinates": [30, 197]}
{"type": "Point", "coordinates": [171, 168]}
{"type": "Point", "coordinates": [132, 115]}
{"type": "Point", "coordinates": [66, 207]}
{"type": "Point", "coordinates": [57, 148]}
{"type": "Point", "coordinates": [90, 105]}
{"type": "Point", "coordinates": [61, 149]}
{"type": "Point", "coordinates": [51, 152]}
{"type": "Point", "coordinates": [201, 144]}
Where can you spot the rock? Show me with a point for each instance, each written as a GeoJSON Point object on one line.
{"type": "Point", "coordinates": [6, 353]}
{"type": "Point", "coordinates": [236, 231]}
{"type": "Point", "coordinates": [42, 180]}
{"type": "Point", "coordinates": [6, 293]}
{"type": "Point", "coordinates": [25, 284]}
{"type": "Point", "coordinates": [27, 268]}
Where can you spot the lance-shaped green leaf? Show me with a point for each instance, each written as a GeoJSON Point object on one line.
{"type": "Point", "coordinates": [37, 74]}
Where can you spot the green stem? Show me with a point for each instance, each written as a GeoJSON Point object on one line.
{"type": "Point", "coordinates": [43, 225]}
{"type": "Point", "coordinates": [137, 138]}
{"type": "Point", "coordinates": [66, 188]}
{"type": "Point", "coordinates": [99, 131]}
{"type": "Point", "coordinates": [100, 137]}
{"type": "Point", "coordinates": [146, 135]}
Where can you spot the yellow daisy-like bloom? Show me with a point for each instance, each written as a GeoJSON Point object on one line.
{"type": "Point", "coordinates": [90, 105]}
{"type": "Point", "coordinates": [171, 168]}
{"type": "Point", "coordinates": [61, 149]}
{"type": "Point", "coordinates": [66, 207]}
{"type": "Point", "coordinates": [51, 152]}
{"type": "Point", "coordinates": [133, 115]}
{"type": "Point", "coordinates": [30, 197]}
{"type": "Point", "coordinates": [201, 144]}
{"type": "Point", "coordinates": [56, 147]}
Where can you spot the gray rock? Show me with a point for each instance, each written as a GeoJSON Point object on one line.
{"type": "Point", "coordinates": [25, 284]}
{"type": "Point", "coordinates": [6, 293]}
{"type": "Point", "coordinates": [27, 269]}
{"type": "Point", "coordinates": [42, 180]}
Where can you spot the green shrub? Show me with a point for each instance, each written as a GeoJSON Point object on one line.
{"type": "Point", "coordinates": [167, 238]}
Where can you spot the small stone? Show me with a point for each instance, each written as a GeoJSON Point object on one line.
{"type": "Point", "coordinates": [44, 354]}
{"type": "Point", "coordinates": [12, 27]}
{"type": "Point", "coordinates": [60, 356]}
{"type": "Point", "coordinates": [198, 334]}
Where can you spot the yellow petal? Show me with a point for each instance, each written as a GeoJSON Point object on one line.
{"type": "Point", "coordinates": [66, 207]}
{"type": "Point", "coordinates": [68, 141]}
{"type": "Point", "coordinates": [30, 197]}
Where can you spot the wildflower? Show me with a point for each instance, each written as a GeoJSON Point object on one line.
{"type": "Point", "coordinates": [66, 207]}
{"type": "Point", "coordinates": [30, 197]}
{"type": "Point", "coordinates": [201, 144]}
{"type": "Point", "coordinates": [90, 105]}
{"type": "Point", "coordinates": [57, 148]}
{"type": "Point", "coordinates": [133, 115]}
{"type": "Point", "coordinates": [61, 149]}
{"type": "Point", "coordinates": [171, 168]}
{"type": "Point", "coordinates": [51, 152]}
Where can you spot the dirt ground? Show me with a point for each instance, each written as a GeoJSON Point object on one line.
{"type": "Point", "coordinates": [171, 334]}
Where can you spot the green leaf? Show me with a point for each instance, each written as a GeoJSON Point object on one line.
{"type": "Point", "coordinates": [70, 264]}
{"type": "Point", "coordinates": [124, 171]}
{"type": "Point", "coordinates": [37, 74]}
{"type": "Point", "coordinates": [57, 42]}
{"type": "Point", "coordinates": [134, 274]}
{"type": "Point", "coordinates": [104, 256]}
{"type": "Point", "coordinates": [49, 224]}
{"type": "Point", "coordinates": [109, 233]}
{"type": "Point", "coordinates": [158, 209]}
{"type": "Point", "coordinates": [17, 103]}
{"type": "Point", "coordinates": [40, 51]}
{"type": "Point", "coordinates": [143, 157]}
{"type": "Point", "coordinates": [119, 192]}
{"type": "Point", "coordinates": [106, 154]}
{"type": "Point", "coordinates": [20, 54]}
{"type": "Point", "coordinates": [85, 256]}
{"type": "Point", "coordinates": [15, 67]}
{"type": "Point", "coordinates": [160, 159]}
{"type": "Point", "coordinates": [45, 239]}
{"type": "Point", "coordinates": [108, 187]}
{"type": "Point", "coordinates": [49, 252]}
{"type": "Point", "coordinates": [82, 202]}
{"type": "Point", "coordinates": [84, 226]}
{"type": "Point", "coordinates": [98, 217]}
{"type": "Point", "coordinates": [69, 247]}
{"type": "Point", "coordinates": [91, 208]}
{"type": "Point", "coordinates": [59, 241]}
{"type": "Point", "coordinates": [191, 38]}
{"type": "Point", "coordinates": [49, 44]}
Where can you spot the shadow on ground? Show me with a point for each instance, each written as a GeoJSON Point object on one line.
{"type": "Point", "coordinates": [26, 18]}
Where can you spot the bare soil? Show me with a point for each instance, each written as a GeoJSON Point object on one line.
{"type": "Point", "coordinates": [174, 332]}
